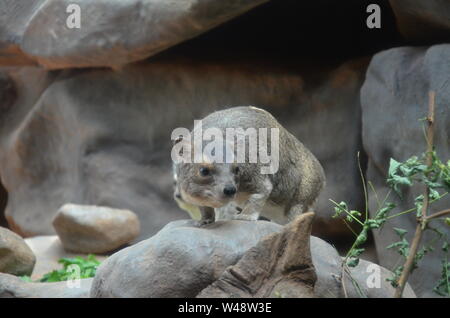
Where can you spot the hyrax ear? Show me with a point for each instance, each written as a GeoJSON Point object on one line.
{"type": "Point", "coordinates": [181, 150]}
{"type": "Point", "coordinates": [177, 140]}
{"type": "Point", "coordinates": [181, 142]}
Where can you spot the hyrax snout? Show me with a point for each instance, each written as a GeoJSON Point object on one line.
{"type": "Point", "coordinates": [241, 163]}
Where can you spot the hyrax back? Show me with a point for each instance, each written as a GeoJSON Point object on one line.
{"type": "Point", "coordinates": [290, 190]}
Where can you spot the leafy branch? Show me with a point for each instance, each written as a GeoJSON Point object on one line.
{"type": "Point", "coordinates": [434, 175]}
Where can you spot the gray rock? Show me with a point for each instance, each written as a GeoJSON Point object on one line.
{"type": "Point", "coordinates": [111, 33]}
{"type": "Point", "coordinates": [423, 21]}
{"type": "Point", "coordinates": [14, 18]}
{"type": "Point", "coordinates": [15, 256]}
{"type": "Point", "coordinates": [394, 97]}
{"type": "Point", "coordinates": [14, 287]}
{"type": "Point", "coordinates": [183, 259]}
{"type": "Point", "coordinates": [95, 229]}
{"type": "Point", "coordinates": [369, 280]}
{"type": "Point", "coordinates": [279, 265]}
{"type": "Point", "coordinates": [179, 261]}
{"type": "Point", "coordinates": [48, 251]}
{"type": "Point", "coordinates": [102, 137]}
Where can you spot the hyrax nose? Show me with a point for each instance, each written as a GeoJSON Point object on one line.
{"type": "Point", "coordinates": [229, 190]}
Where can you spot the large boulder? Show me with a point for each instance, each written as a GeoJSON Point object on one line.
{"type": "Point", "coordinates": [16, 257]}
{"type": "Point", "coordinates": [233, 259]}
{"type": "Point", "coordinates": [292, 264]}
{"type": "Point", "coordinates": [102, 137]}
{"type": "Point", "coordinates": [179, 261]}
{"type": "Point", "coordinates": [14, 287]}
{"type": "Point", "coordinates": [394, 97]}
{"type": "Point", "coordinates": [95, 229]}
{"type": "Point", "coordinates": [111, 32]}
{"type": "Point", "coordinates": [423, 21]}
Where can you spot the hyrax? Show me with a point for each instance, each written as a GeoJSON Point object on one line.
{"type": "Point", "coordinates": [249, 187]}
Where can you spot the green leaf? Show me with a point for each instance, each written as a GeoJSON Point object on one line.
{"type": "Point", "coordinates": [393, 167]}
{"type": "Point", "coordinates": [26, 278]}
{"type": "Point", "coordinates": [400, 232]}
{"type": "Point", "coordinates": [362, 237]}
{"type": "Point", "coordinates": [339, 209]}
{"type": "Point", "coordinates": [87, 267]}
{"type": "Point", "coordinates": [443, 286]}
{"type": "Point", "coordinates": [433, 195]}
{"type": "Point", "coordinates": [353, 262]}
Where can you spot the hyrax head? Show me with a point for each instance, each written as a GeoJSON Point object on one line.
{"type": "Point", "coordinates": [206, 182]}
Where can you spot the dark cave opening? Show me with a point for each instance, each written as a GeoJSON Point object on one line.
{"type": "Point", "coordinates": [292, 29]}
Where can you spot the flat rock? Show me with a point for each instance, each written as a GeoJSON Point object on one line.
{"type": "Point", "coordinates": [15, 256]}
{"type": "Point", "coordinates": [13, 287]}
{"type": "Point", "coordinates": [95, 229]}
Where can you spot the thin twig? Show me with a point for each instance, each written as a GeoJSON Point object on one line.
{"type": "Point", "coordinates": [415, 209]}
{"type": "Point", "coordinates": [438, 214]}
{"type": "Point", "coordinates": [363, 181]}
{"type": "Point", "coordinates": [421, 221]}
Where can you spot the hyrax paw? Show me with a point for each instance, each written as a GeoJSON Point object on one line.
{"type": "Point", "coordinates": [204, 222]}
{"type": "Point", "coordinates": [247, 217]}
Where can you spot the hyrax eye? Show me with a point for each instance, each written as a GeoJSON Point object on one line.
{"type": "Point", "coordinates": [204, 171]}
{"type": "Point", "coordinates": [236, 170]}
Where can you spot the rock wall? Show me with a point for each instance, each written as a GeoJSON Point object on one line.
{"type": "Point", "coordinates": [102, 137]}
{"type": "Point", "coordinates": [113, 32]}
{"type": "Point", "coordinates": [3, 200]}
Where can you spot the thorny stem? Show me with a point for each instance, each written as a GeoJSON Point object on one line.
{"type": "Point", "coordinates": [421, 221]}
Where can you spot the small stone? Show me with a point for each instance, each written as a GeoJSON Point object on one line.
{"type": "Point", "coordinates": [95, 229]}
{"type": "Point", "coordinates": [16, 257]}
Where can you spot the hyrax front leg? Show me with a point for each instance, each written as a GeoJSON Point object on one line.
{"type": "Point", "coordinates": [255, 203]}
{"type": "Point", "coordinates": [295, 211]}
{"type": "Point", "coordinates": [208, 215]}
